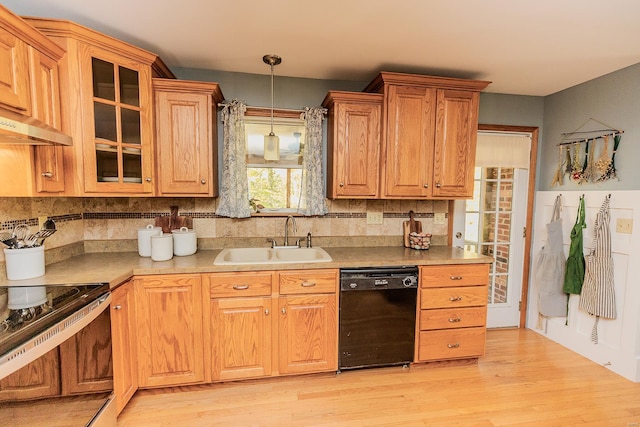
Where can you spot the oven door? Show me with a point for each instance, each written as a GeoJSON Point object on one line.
{"type": "Point", "coordinates": [63, 376]}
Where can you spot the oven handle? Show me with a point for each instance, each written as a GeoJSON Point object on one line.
{"type": "Point", "coordinates": [53, 336]}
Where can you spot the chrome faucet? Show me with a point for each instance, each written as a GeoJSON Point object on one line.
{"type": "Point", "coordinates": [286, 229]}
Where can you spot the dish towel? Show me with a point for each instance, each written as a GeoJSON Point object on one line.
{"type": "Point", "coordinates": [598, 293]}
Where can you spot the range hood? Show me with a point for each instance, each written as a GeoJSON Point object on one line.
{"type": "Point", "coordinates": [21, 130]}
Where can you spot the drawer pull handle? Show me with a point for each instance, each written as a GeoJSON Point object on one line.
{"type": "Point", "coordinates": [306, 284]}
{"type": "Point", "coordinates": [455, 277]}
{"type": "Point", "coordinates": [456, 345]}
{"type": "Point", "coordinates": [455, 299]}
{"type": "Point", "coordinates": [455, 319]}
{"type": "Point", "coordinates": [240, 287]}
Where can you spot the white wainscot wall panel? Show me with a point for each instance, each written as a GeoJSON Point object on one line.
{"type": "Point", "coordinates": [618, 345]}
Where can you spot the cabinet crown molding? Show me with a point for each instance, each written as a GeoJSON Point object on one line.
{"type": "Point", "coordinates": [386, 78]}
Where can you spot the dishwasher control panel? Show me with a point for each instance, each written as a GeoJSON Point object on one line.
{"type": "Point", "coordinates": [372, 278]}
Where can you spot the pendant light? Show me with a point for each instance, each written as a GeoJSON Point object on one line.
{"type": "Point", "coordinates": [271, 141]}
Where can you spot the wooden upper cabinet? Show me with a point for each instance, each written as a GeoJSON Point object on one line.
{"type": "Point", "coordinates": [353, 150]}
{"type": "Point", "coordinates": [186, 137]}
{"type": "Point", "coordinates": [455, 143]}
{"type": "Point", "coordinates": [107, 108]}
{"type": "Point", "coordinates": [14, 76]}
{"type": "Point", "coordinates": [429, 135]}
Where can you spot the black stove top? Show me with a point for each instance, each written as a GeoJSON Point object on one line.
{"type": "Point", "coordinates": [30, 310]}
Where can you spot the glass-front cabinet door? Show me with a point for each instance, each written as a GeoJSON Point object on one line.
{"type": "Point", "coordinates": [118, 126]}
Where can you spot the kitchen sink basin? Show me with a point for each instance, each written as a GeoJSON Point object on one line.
{"type": "Point", "coordinates": [234, 256]}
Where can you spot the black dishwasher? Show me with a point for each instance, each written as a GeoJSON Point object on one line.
{"type": "Point", "coordinates": [377, 316]}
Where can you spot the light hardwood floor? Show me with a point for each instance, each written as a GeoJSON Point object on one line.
{"type": "Point", "coordinates": [524, 379]}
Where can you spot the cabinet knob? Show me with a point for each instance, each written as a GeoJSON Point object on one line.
{"type": "Point", "coordinates": [203, 181]}
{"type": "Point", "coordinates": [438, 185]}
{"type": "Point", "coordinates": [284, 310]}
{"type": "Point", "coordinates": [47, 174]}
{"type": "Point", "coordinates": [342, 184]}
{"type": "Point", "coordinates": [426, 185]}
{"type": "Point", "coordinates": [148, 179]}
{"type": "Point", "coordinates": [266, 311]}
{"type": "Point", "coordinates": [117, 307]}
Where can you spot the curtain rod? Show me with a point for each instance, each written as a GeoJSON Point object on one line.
{"type": "Point", "coordinates": [292, 110]}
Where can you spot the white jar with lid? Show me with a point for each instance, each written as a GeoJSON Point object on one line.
{"type": "Point", "coordinates": [144, 239]}
{"type": "Point", "coordinates": [161, 247]}
{"type": "Point", "coordinates": [185, 242]}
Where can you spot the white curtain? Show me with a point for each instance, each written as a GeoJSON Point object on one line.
{"type": "Point", "coordinates": [503, 149]}
{"type": "Point", "coordinates": [234, 187]}
{"type": "Point", "coordinates": [313, 200]}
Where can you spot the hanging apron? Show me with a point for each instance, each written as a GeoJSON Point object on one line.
{"type": "Point", "coordinates": [550, 265]}
{"type": "Point", "coordinates": [598, 294]}
{"type": "Point", "coordinates": [574, 272]}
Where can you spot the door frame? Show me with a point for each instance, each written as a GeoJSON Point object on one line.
{"type": "Point", "coordinates": [526, 263]}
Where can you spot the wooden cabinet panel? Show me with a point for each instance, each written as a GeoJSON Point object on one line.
{"type": "Point", "coordinates": [14, 73]}
{"type": "Point", "coordinates": [171, 344]}
{"type": "Point", "coordinates": [124, 344]}
{"type": "Point", "coordinates": [308, 334]}
{"type": "Point", "coordinates": [455, 143]}
{"type": "Point", "coordinates": [451, 344]}
{"type": "Point", "coordinates": [408, 160]}
{"type": "Point", "coordinates": [353, 144]}
{"type": "Point", "coordinates": [45, 96]}
{"type": "Point", "coordinates": [308, 282]}
{"type": "Point", "coordinates": [241, 338]}
{"type": "Point", "coordinates": [185, 136]}
{"type": "Point", "coordinates": [452, 318]}
{"type": "Point", "coordinates": [239, 284]}
{"type": "Point", "coordinates": [463, 296]}
{"type": "Point", "coordinates": [86, 358]}
{"type": "Point", "coordinates": [38, 379]}
{"type": "Point", "coordinates": [439, 276]}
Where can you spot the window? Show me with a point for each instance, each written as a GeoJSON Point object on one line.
{"type": "Point", "coordinates": [275, 185]}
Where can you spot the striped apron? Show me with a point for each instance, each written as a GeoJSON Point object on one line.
{"type": "Point", "coordinates": [598, 294]}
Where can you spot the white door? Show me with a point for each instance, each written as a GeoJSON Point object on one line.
{"type": "Point", "coordinates": [493, 224]}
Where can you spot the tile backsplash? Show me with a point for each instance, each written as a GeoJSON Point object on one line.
{"type": "Point", "coordinates": [108, 224]}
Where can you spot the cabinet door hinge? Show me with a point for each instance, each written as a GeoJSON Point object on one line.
{"type": "Point", "coordinates": [524, 232]}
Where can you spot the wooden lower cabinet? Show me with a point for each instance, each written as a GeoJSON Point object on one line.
{"type": "Point", "coordinates": [86, 359]}
{"type": "Point", "coordinates": [171, 338]}
{"type": "Point", "coordinates": [452, 312]}
{"type": "Point", "coordinates": [40, 378]}
{"type": "Point", "coordinates": [241, 338]}
{"type": "Point", "coordinates": [307, 325]}
{"type": "Point", "coordinates": [124, 344]}
{"type": "Point", "coordinates": [257, 331]}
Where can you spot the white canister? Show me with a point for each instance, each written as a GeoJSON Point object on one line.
{"type": "Point", "coordinates": [185, 242]}
{"type": "Point", "coordinates": [162, 247]}
{"type": "Point", "coordinates": [24, 263]}
{"type": "Point", "coordinates": [144, 239]}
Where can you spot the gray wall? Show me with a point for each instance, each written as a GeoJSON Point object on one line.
{"type": "Point", "coordinates": [613, 99]}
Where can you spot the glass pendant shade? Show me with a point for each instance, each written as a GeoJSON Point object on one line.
{"type": "Point", "coordinates": [271, 147]}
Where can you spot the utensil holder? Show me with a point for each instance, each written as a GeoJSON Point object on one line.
{"type": "Point", "coordinates": [24, 263]}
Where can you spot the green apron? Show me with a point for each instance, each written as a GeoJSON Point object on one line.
{"type": "Point", "coordinates": [574, 271]}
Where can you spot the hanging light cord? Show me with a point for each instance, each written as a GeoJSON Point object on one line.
{"type": "Point", "coordinates": [271, 99]}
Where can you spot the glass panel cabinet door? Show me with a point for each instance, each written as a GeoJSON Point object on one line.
{"type": "Point", "coordinates": [120, 142]}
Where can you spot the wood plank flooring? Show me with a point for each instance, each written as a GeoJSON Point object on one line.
{"type": "Point", "coordinates": [524, 380]}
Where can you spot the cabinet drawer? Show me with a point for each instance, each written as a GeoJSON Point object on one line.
{"type": "Point", "coordinates": [443, 318]}
{"type": "Point", "coordinates": [454, 275]}
{"type": "Point", "coordinates": [308, 282]}
{"type": "Point", "coordinates": [461, 296]}
{"type": "Point", "coordinates": [239, 284]}
{"type": "Point", "coordinates": [451, 344]}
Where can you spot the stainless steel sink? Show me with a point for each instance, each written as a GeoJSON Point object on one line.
{"type": "Point", "coordinates": [235, 256]}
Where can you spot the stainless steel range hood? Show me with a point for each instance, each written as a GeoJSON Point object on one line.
{"type": "Point", "coordinates": [21, 130]}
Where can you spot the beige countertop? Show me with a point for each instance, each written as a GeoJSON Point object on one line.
{"type": "Point", "coordinates": [117, 267]}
